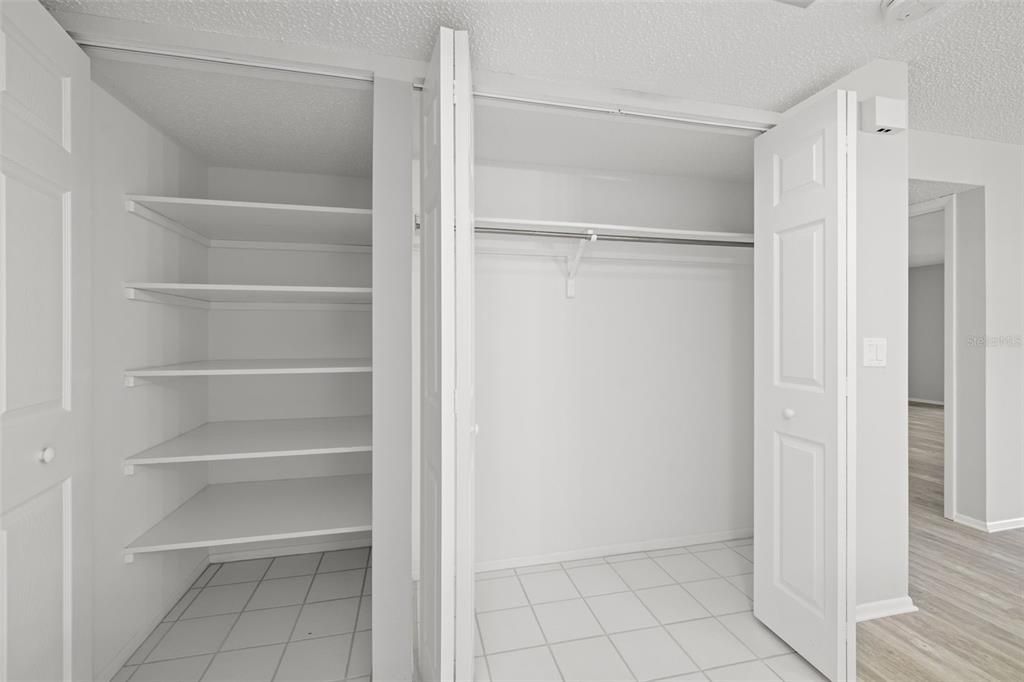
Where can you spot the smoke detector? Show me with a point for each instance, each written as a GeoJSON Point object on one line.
{"type": "Point", "coordinates": [902, 11]}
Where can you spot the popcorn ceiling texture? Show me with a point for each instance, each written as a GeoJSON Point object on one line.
{"type": "Point", "coordinates": [965, 57]}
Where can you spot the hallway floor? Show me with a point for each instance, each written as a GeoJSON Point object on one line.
{"type": "Point", "coordinates": [967, 584]}
{"type": "Point", "coordinates": [287, 619]}
{"type": "Point", "coordinates": [677, 614]}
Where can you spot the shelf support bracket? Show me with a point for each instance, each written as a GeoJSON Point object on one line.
{"type": "Point", "coordinates": [129, 469]}
{"type": "Point", "coordinates": [129, 557]}
{"type": "Point", "coordinates": [131, 381]}
{"type": "Point", "coordinates": [573, 264]}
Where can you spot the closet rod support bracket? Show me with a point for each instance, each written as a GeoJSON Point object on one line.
{"type": "Point", "coordinates": [573, 263]}
{"type": "Point", "coordinates": [128, 469]}
{"type": "Point", "coordinates": [129, 557]}
{"type": "Point", "coordinates": [133, 381]}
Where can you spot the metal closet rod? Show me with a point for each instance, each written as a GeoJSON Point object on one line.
{"type": "Point", "coordinates": [419, 86]}
{"type": "Point", "coordinates": [612, 237]}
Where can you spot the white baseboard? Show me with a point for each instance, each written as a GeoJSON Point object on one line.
{"type": "Point", "coordinates": [937, 403]}
{"type": "Point", "coordinates": [989, 526]}
{"type": "Point", "coordinates": [1005, 524]}
{"type": "Point", "coordinates": [607, 550]}
{"type": "Point", "coordinates": [885, 608]}
{"type": "Point", "coordinates": [125, 652]}
{"type": "Point", "coordinates": [970, 521]}
{"type": "Point", "coordinates": [220, 555]}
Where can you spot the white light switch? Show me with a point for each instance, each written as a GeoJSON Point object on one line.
{"type": "Point", "coordinates": [874, 352]}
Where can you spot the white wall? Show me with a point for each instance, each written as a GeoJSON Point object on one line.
{"type": "Point", "coordinates": [999, 168]}
{"type": "Point", "coordinates": [971, 376]}
{"type": "Point", "coordinates": [927, 239]}
{"type": "Point", "coordinates": [132, 157]}
{"type": "Point", "coordinates": [240, 184]}
{"type": "Point", "coordinates": [882, 521]}
{"type": "Point", "coordinates": [619, 198]}
{"type": "Point", "coordinates": [622, 418]}
{"type": "Point", "coordinates": [926, 345]}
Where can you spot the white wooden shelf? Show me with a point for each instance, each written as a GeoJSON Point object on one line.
{"type": "Point", "coordinates": [247, 293]}
{"type": "Point", "coordinates": [259, 511]}
{"type": "Point", "coordinates": [210, 368]}
{"type": "Point", "coordinates": [257, 439]}
{"type": "Point", "coordinates": [218, 220]}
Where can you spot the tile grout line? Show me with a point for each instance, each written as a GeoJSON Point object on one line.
{"type": "Point", "coordinates": [355, 625]}
{"type": "Point", "coordinates": [657, 620]}
{"type": "Point", "coordinates": [483, 653]}
{"type": "Point", "coordinates": [600, 624]}
{"type": "Point", "coordinates": [604, 561]}
{"type": "Point", "coordinates": [533, 611]}
{"type": "Point", "coordinates": [237, 617]}
{"type": "Point", "coordinates": [157, 643]}
{"type": "Point", "coordinates": [302, 606]}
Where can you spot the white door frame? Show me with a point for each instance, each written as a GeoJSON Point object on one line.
{"type": "Point", "coordinates": [947, 205]}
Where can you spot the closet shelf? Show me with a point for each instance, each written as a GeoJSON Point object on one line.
{"type": "Point", "coordinates": [249, 293]}
{"type": "Point", "coordinates": [257, 439]}
{"type": "Point", "coordinates": [259, 511]}
{"type": "Point", "coordinates": [208, 368]}
{"type": "Point", "coordinates": [217, 220]}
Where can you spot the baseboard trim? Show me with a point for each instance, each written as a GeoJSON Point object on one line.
{"type": "Point", "coordinates": [225, 554]}
{"type": "Point", "coordinates": [970, 522]}
{"type": "Point", "coordinates": [885, 608]}
{"type": "Point", "coordinates": [989, 526]}
{"type": "Point", "coordinates": [1005, 524]}
{"type": "Point", "coordinates": [607, 550]}
{"type": "Point", "coordinates": [124, 653]}
{"type": "Point", "coordinates": [922, 401]}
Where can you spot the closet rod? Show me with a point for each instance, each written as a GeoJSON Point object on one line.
{"type": "Point", "coordinates": [305, 70]}
{"type": "Point", "coordinates": [612, 237]}
{"type": "Point", "coordinates": [230, 61]}
{"type": "Point", "coordinates": [622, 112]}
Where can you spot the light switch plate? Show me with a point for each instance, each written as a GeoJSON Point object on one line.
{"type": "Point", "coordinates": [875, 352]}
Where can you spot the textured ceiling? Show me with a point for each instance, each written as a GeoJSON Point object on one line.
{"type": "Point", "coordinates": [518, 134]}
{"type": "Point", "coordinates": [926, 190]}
{"type": "Point", "coordinates": [965, 57]}
{"type": "Point", "coordinates": [231, 119]}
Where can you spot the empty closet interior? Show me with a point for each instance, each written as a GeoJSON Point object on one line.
{"type": "Point", "coordinates": [232, 284]}
{"type": "Point", "coordinates": [614, 376]}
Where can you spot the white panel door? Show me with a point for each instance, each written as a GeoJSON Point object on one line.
{"type": "Point", "coordinates": [447, 414]}
{"type": "Point", "coordinates": [803, 459]}
{"type": "Point", "coordinates": [45, 431]}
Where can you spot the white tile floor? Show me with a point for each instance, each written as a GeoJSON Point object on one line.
{"type": "Point", "coordinates": [289, 619]}
{"type": "Point", "coordinates": [675, 614]}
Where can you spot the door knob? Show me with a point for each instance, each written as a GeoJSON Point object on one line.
{"type": "Point", "coordinates": [789, 413]}
{"type": "Point", "coordinates": [46, 455]}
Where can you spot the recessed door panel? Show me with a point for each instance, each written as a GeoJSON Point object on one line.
{"type": "Point", "coordinates": [35, 216]}
{"type": "Point", "coordinates": [36, 536]}
{"type": "Point", "coordinates": [800, 499]}
{"type": "Point", "coordinates": [799, 299]}
{"type": "Point", "coordinates": [800, 168]}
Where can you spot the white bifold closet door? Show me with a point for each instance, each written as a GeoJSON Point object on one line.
{"type": "Point", "coordinates": [45, 341]}
{"type": "Point", "coordinates": [803, 422]}
{"type": "Point", "coordinates": [448, 417]}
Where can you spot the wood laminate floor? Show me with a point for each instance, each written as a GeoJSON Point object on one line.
{"type": "Point", "coordinates": [968, 585]}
